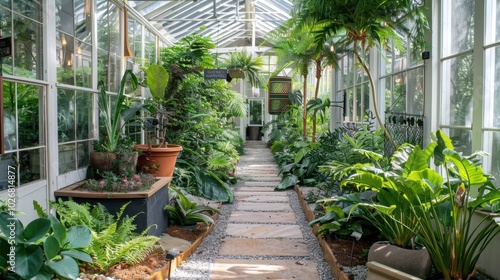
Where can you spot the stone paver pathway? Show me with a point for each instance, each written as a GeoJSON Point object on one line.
{"type": "Point", "coordinates": [262, 239]}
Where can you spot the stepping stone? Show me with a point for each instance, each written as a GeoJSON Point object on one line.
{"type": "Point", "coordinates": [262, 217]}
{"type": "Point", "coordinates": [258, 188]}
{"type": "Point", "coordinates": [247, 193]}
{"type": "Point", "coordinates": [168, 242]}
{"type": "Point", "coordinates": [264, 230]}
{"type": "Point", "coordinates": [262, 198]}
{"type": "Point", "coordinates": [266, 179]}
{"type": "Point", "coordinates": [263, 269]}
{"type": "Point", "coordinates": [257, 206]}
{"type": "Point", "coordinates": [263, 247]}
{"type": "Point", "coordinates": [262, 184]}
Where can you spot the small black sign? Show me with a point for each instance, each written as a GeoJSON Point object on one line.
{"type": "Point", "coordinates": [215, 74]}
{"type": "Point", "coordinates": [5, 47]}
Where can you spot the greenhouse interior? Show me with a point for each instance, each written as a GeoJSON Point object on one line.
{"type": "Point", "coordinates": [285, 125]}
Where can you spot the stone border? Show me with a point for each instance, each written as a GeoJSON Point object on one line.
{"type": "Point", "coordinates": [337, 270]}
{"type": "Point", "coordinates": [162, 273]}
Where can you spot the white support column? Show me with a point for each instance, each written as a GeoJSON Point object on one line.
{"type": "Point", "coordinates": [50, 59]}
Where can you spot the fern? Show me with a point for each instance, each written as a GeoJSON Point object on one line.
{"type": "Point", "coordinates": [113, 237]}
{"type": "Point", "coordinates": [137, 249]}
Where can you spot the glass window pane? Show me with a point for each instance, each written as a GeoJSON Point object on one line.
{"type": "Point", "coordinates": [492, 29]}
{"type": "Point", "coordinates": [461, 139]}
{"type": "Point", "coordinates": [6, 160]}
{"type": "Point", "coordinates": [83, 150]}
{"type": "Point", "coordinates": [30, 112]}
{"type": "Point", "coordinates": [457, 90]}
{"type": "Point", "coordinates": [66, 115]}
{"type": "Point", "coordinates": [64, 16]}
{"type": "Point", "coordinates": [6, 3]}
{"type": "Point", "coordinates": [28, 48]}
{"type": "Point", "coordinates": [83, 21]}
{"type": "Point", "coordinates": [458, 26]}
{"type": "Point", "coordinates": [83, 65]}
{"type": "Point", "coordinates": [415, 101]}
{"type": "Point", "coordinates": [31, 165]}
{"type": "Point", "coordinates": [492, 162]}
{"type": "Point", "coordinates": [84, 115]}
{"type": "Point", "coordinates": [29, 8]}
{"type": "Point", "coordinates": [67, 158]}
{"type": "Point", "coordinates": [150, 47]}
{"type": "Point", "coordinates": [9, 118]}
{"type": "Point", "coordinates": [492, 88]}
{"type": "Point", "coordinates": [66, 56]}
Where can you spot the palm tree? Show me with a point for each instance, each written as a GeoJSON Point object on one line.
{"type": "Point", "coordinates": [295, 47]}
{"type": "Point", "coordinates": [364, 24]}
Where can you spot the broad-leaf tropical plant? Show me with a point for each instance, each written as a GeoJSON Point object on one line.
{"type": "Point", "coordinates": [442, 206]}
{"type": "Point", "coordinates": [185, 212]}
{"type": "Point", "coordinates": [42, 249]}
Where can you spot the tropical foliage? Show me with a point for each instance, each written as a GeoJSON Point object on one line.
{"type": "Point", "coordinates": [114, 240]}
{"type": "Point", "coordinates": [200, 119]}
{"type": "Point", "coordinates": [185, 212]}
{"type": "Point", "coordinates": [43, 249]}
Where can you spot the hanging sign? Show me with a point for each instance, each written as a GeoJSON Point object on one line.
{"type": "Point", "coordinates": [214, 74]}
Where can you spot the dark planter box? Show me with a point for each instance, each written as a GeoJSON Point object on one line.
{"type": "Point", "coordinates": [147, 205]}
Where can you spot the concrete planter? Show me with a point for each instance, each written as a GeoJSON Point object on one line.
{"type": "Point", "coordinates": [147, 205]}
{"type": "Point", "coordinates": [414, 262]}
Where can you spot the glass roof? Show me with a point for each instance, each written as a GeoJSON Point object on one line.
{"type": "Point", "coordinates": [230, 23]}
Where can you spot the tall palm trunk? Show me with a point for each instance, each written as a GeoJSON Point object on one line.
{"type": "Point", "coordinates": [375, 107]}
{"type": "Point", "coordinates": [304, 104]}
{"type": "Point", "coordinates": [316, 91]}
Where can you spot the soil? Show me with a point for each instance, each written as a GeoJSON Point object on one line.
{"type": "Point", "coordinates": [342, 248]}
{"type": "Point", "coordinates": [154, 261]}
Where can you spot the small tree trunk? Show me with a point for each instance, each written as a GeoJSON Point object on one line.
{"type": "Point", "coordinates": [304, 104]}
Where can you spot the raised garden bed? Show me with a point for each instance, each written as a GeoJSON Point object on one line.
{"type": "Point", "coordinates": [342, 247]}
{"type": "Point", "coordinates": [148, 205]}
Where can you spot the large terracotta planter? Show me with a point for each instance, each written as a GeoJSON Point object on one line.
{"type": "Point", "coordinates": [160, 160]}
{"type": "Point", "coordinates": [414, 262]}
{"type": "Point", "coordinates": [147, 205]}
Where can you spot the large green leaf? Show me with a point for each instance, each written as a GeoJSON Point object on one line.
{"type": "Point", "coordinates": [469, 172]}
{"type": "Point", "coordinates": [443, 143]}
{"type": "Point", "coordinates": [59, 231]}
{"type": "Point", "coordinates": [29, 260]}
{"type": "Point", "coordinates": [288, 181]}
{"type": "Point", "coordinates": [8, 223]}
{"type": "Point", "coordinates": [157, 79]}
{"type": "Point", "coordinates": [4, 250]}
{"type": "Point", "coordinates": [66, 267]}
{"type": "Point", "coordinates": [366, 180]}
{"type": "Point", "coordinates": [416, 161]}
{"type": "Point", "coordinates": [210, 186]}
{"type": "Point", "coordinates": [79, 237]}
{"type": "Point", "coordinates": [77, 255]}
{"type": "Point", "coordinates": [36, 229]}
{"type": "Point", "coordinates": [51, 247]}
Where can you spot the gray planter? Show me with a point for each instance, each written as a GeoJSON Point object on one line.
{"type": "Point", "coordinates": [414, 262]}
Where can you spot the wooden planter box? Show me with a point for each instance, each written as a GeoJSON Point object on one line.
{"type": "Point", "coordinates": [337, 270]}
{"type": "Point", "coordinates": [147, 205]}
{"type": "Point", "coordinates": [164, 271]}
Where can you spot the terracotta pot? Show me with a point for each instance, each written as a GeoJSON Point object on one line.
{"type": "Point", "coordinates": [160, 160]}
{"type": "Point", "coordinates": [102, 161]}
{"type": "Point", "coordinates": [415, 262]}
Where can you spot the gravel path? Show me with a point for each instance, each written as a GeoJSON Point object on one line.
{"type": "Point", "coordinates": [200, 263]}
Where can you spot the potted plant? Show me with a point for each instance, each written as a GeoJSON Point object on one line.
{"type": "Point", "coordinates": [158, 156]}
{"type": "Point", "coordinates": [113, 145]}
{"type": "Point", "coordinates": [386, 208]}
{"type": "Point", "coordinates": [441, 206]}
{"type": "Point", "coordinates": [186, 213]}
